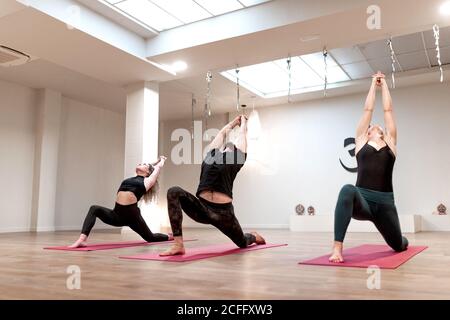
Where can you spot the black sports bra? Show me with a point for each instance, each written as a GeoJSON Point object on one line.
{"type": "Point", "coordinates": [135, 185]}
{"type": "Point", "coordinates": [375, 168]}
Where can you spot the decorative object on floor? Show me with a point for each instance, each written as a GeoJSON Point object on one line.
{"type": "Point", "coordinates": [311, 211]}
{"type": "Point", "coordinates": [300, 210]}
{"type": "Point", "coordinates": [369, 255]}
{"type": "Point", "coordinates": [441, 210]}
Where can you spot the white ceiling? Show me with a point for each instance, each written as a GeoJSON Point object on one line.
{"type": "Point", "coordinates": [43, 74]}
{"type": "Point", "coordinates": [359, 61]}
{"type": "Point", "coordinates": [91, 70]}
{"type": "Point", "coordinates": [39, 35]}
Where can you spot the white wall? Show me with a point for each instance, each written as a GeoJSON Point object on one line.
{"type": "Point", "coordinates": [90, 161]}
{"type": "Point", "coordinates": [296, 157]}
{"type": "Point", "coordinates": [89, 166]}
{"type": "Point", "coordinates": [17, 140]}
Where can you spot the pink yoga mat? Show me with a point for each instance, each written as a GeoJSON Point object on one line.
{"type": "Point", "coordinates": [369, 255]}
{"type": "Point", "coordinates": [111, 245]}
{"type": "Point", "coordinates": [202, 252]}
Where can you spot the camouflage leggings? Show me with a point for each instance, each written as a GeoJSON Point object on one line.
{"type": "Point", "coordinates": [220, 216]}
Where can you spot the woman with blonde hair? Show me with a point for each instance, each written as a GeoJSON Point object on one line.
{"type": "Point", "coordinates": [372, 198]}
{"type": "Point", "coordinates": [126, 212]}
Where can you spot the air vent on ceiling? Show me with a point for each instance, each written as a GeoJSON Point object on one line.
{"type": "Point", "coordinates": [10, 57]}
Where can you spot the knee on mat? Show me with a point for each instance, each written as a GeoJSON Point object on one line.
{"type": "Point", "coordinates": [400, 246]}
{"type": "Point", "coordinates": [246, 241]}
{"type": "Point", "coordinates": [148, 239]}
{"type": "Point", "coordinates": [242, 244]}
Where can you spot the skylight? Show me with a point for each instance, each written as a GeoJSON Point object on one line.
{"type": "Point", "coordinates": [271, 79]}
{"type": "Point", "coordinates": [161, 15]}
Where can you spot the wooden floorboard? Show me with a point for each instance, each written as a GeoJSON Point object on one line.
{"type": "Point", "coordinates": [29, 272]}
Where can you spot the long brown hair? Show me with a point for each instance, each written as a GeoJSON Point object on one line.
{"type": "Point", "coordinates": [152, 194]}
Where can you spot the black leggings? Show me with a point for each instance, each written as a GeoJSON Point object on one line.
{"type": "Point", "coordinates": [369, 205]}
{"type": "Point", "coordinates": [122, 216]}
{"type": "Point", "coordinates": [220, 216]}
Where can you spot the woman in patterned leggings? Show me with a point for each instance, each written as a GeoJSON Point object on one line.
{"type": "Point", "coordinates": [212, 203]}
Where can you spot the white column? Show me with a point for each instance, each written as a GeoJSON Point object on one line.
{"type": "Point", "coordinates": [48, 124]}
{"type": "Point", "coordinates": [141, 138]}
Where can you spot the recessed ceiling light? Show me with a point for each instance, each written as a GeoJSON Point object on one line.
{"type": "Point", "coordinates": [179, 66]}
{"type": "Point", "coordinates": [445, 8]}
{"type": "Point", "coordinates": [312, 37]}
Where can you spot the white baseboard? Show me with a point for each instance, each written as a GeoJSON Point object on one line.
{"type": "Point", "coordinates": [68, 228]}
{"type": "Point", "coordinates": [14, 229]}
{"type": "Point", "coordinates": [409, 224]}
{"type": "Point", "coordinates": [51, 229]}
{"type": "Point", "coordinates": [43, 229]}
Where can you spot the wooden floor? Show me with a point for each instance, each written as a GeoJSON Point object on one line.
{"type": "Point", "coordinates": [28, 272]}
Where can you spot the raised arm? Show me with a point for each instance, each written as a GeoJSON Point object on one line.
{"type": "Point", "coordinates": [241, 141]}
{"type": "Point", "coordinates": [389, 119]}
{"type": "Point", "coordinates": [364, 122]}
{"type": "Point", "coordinates": [219, 140]}
{"type": "Point", "coordinates": [157, 161]}
{"type": "Point", "coordinates": [150, 181]}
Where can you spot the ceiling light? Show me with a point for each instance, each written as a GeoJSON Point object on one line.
{"type": "Point", "coordinates": [445, 8]}
{"type": "Point", "coordinates": [312, 37]}
{"type": "Point", "coordinates": [179, 66]}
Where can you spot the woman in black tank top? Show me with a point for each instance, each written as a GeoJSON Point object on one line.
{"type": "Point", "coordinates": [372, 198]}
{"type": "Point", "coordinates": [219, 169]}
{"type": "Point", "coordinates": [126, 212]}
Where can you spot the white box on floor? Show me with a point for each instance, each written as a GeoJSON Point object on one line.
{"type": "Point", "coordinates": [321, 223]}
{"type": "Point", "coordinates": [436, 223]}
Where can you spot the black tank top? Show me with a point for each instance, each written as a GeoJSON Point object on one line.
{"type": "Point", "coordinates": [375, 168]}
{"type": "Point", "coordinates": [135, 185]}
{"type": "Point", "coordinates": [219, 169]}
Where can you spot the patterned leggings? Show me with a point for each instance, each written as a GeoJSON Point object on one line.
{"type": "Point", "coordinates": [220, 216]}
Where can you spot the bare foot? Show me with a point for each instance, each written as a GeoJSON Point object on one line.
{"type": "Point", "coordinates": [336, 256]}
{"type": "Point", "coordinates": [259, 239]}
{"type": "Point", "coordinates": [80, 243]}
{"type": "Point", "coordinates": [170, 235]}
{"type": "Point", "coordinates": [175, 250]}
